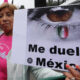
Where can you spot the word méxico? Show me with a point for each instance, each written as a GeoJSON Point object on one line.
{"type": "Point", "coordinates": [52, 64]}
{"type": "Point", "coordinates": [54, 50]}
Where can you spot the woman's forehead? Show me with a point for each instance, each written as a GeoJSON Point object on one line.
{"type": "Point", "coordinates": [6, 9]}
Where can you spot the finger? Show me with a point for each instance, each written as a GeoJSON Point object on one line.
{"type": "Point", "coordinates": [67, 78]}
{"type": "Point", "coordinates": [77, 78]}
{"type": "Point", "coordinates": [73, 71]}
{"type": "Point", "coordinates": [78, 67]}
{"type": "Point", "coordinates": [67, 74]}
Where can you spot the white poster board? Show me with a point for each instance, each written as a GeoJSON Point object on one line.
{"type": "Point", "coordinates": [40, 39]}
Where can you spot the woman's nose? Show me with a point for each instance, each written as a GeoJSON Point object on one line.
{"type": "Point", "coordinates": [4, 18]}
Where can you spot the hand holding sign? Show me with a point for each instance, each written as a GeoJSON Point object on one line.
{"type": "Point", "coordinates": [72, 74]}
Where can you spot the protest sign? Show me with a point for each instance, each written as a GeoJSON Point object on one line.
{"type": "Point", "coordinates": [47, 37]}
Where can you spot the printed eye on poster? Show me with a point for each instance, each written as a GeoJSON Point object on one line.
{"type": "Point", "coordinates": [47, 37]}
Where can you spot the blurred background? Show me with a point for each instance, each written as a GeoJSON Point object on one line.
{"type": "Point", "coordinates": [19, 3]}
{"type": "Point", "coordinates": [39, 3]}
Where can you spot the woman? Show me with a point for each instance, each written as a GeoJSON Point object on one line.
{"type": "Point", "coordinates": [14, 71]}
{"type": "Point", "coordinates": [6, 24]}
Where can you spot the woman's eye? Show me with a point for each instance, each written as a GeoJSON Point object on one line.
{"type": "Point", "coordinates": [9, 14]}
{"type": "Point", "coordinates": [1, 15]}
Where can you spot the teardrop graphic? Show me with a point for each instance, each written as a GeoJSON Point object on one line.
{"type": "Point", "coordinates": [62, 31]}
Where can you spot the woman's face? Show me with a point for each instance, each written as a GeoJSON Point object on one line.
{"type": "Point", "coordinates": [6, 20]}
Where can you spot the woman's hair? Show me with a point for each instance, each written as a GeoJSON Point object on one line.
{"type": "Point", "coordinates": [11, 7]}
